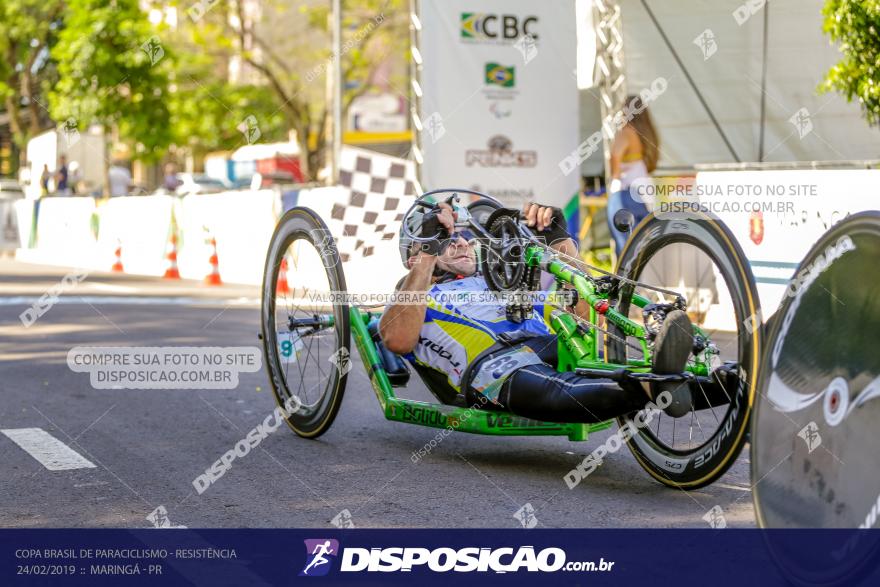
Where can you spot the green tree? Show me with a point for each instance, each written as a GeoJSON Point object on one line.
{"type": "Point", "coordinates": [855, 26]}
{"type": "Point", "coordinates": [206, 115]}
{"type": "Point", "coordinates": [113, 70]}
{"type": "Point", "coordinates": [28, 29]}
{"type": "Point", "coordinates": [291, 54]}
{"type": "Point", "coordinates": [206, 109]}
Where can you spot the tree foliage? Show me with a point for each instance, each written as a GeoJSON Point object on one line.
{"type": "Point", "coordinates": [294, 64]}
{"type": "Point", "coordinates": [855, 26]}
{"type": "Point", "coordinates": [192, 83]}
{"type": "Point", "coordinates": [28, 28]}
{"type": "Point", "coordinates": [113, 70]}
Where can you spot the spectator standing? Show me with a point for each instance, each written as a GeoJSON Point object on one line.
{"type": "Point", "coordinates": [634, 155]}
{"type": "Point", "coordinates": [171, 181]}
{"type": "Point", "coordinates": [44, 180]}
{"type": "Point", "coordinates": [61, 177]}
{"type": "Point", "coordinates": [120, 179]}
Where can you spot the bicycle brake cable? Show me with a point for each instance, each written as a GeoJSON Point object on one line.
{"type": "Point", "coordinates": [616, 276]}
{"type": "Point", "coordinates": [584, 321]}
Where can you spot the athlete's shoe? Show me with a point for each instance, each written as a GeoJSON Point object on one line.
{"type": "Point", "coordinates": [672, 348]}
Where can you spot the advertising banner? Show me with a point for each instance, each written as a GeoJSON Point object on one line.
{"type": "Point", "coordinates": [499, 108]}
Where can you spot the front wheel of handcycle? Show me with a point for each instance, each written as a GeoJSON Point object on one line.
{"type": "Point", "coordinates": [305, 322]}
{"type": "Point", "coordinates": [699, 258]}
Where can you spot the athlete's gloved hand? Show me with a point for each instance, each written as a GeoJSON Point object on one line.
{"type": "Point", "coordinates": [438, 221]}
{"type": "Point", "coordinates": [547, 222]}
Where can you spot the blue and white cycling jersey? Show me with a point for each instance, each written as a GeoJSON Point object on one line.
{"type": "Point", "coordinates": [464, 318]}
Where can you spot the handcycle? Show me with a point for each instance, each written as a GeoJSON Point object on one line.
{"type": "Point", "coordinates": [306, 343]}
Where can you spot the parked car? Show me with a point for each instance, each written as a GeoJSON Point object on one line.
{"type": "Point", "coordinates": [194, 183]}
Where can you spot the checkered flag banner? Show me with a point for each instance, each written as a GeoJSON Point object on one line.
{"type": "Point", "coordinates": [378, 190]}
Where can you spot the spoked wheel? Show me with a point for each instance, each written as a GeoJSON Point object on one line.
{"type": "Point", "coordinates": [305, 325]}
{"type": "Point", "coordinates": [701, 260]}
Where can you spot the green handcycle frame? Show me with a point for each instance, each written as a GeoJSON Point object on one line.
{"type": "Point", "coordinates": [577, 347]}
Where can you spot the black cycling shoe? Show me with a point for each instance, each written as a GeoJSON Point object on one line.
{"type": "Point", "coordinates": [673, 346]}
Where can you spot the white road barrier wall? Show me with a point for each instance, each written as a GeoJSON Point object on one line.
{"type": "Point", "coordinates": [775, 215]}
{"type": "Point", "coordinates": [24, 212]}
{"type": "Point", "coordinates": [805, 204]}
{"type": "Point", "coordinates": [362, 214]}
{"type": "Point", "coordinates": [141, 227]}
{"type": "Point", "coordinates": [242, 223]}
{"type": "Point", "coordinates": [66, 233]}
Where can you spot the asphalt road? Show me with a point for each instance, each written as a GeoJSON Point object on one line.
{"type": "Point", "coordinates": [147, 446]}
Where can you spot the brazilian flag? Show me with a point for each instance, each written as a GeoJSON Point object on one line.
{"type": "Point", "coordinates": [498, 75]}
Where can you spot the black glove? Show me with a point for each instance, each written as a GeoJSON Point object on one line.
{"type": "Point", "coordinates": [430, 227]}
{"type": "Point", "coordinates": [556, 231]}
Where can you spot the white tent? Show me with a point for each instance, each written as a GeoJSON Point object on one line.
{"type": "Point", "coordinates": [729, 67]}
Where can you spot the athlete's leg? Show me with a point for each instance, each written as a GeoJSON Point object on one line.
{"type": "Point", "coordinates": [542, 393]}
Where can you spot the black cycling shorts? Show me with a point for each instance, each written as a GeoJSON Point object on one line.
{"type": "Point", "coordinates": [540, 392]}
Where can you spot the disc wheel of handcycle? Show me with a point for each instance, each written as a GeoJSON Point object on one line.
{"type": "Point", "coordinates": [698, 258]}
{"type": "Point", "coordinates": [814, 456]}
{"type": "Point", "coordinates": [306, 355]}
{"type": "Point", "coordinates": [815, 435]}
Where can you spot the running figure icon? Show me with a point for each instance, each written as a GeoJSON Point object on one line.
{"type": "Point", "coordinates": [319, 554]}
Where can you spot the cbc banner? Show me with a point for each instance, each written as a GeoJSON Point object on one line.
{"type": "Point", "coordinates": [499, 104]}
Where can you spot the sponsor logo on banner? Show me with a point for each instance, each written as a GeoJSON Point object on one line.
{"type": "Point", "coordinates": [320, 552]}
{"type": "Point", "coordinates": [499, 75]}
{"type": "Point", "coordinates": [756, 227]}
{"type": "Point", "coordinates": [499, 83]}
{"type": "Point", "coordinates": [500, 154]}
{"type": "Point", "coordinates": [498, 29]}
{"type": "Point", "coordinates": [499, 111]}
{"type": "Point", "coordinates": [508, 195]}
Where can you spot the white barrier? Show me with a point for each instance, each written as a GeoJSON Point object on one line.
{"type": "Point", "coordinates": [362, 213]}
{"type": "Point", "coordinates": [24, 212]}
{"type": "Point", "coordinates": [241, 222]}
{"type": "Point", "coordinates": [140, 227]}
{"type": "Point", "coordinates": [777, 242]}
{"type": "Point", "coordinates": [66, 233]}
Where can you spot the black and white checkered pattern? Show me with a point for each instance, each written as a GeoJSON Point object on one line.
{"type": "Point", "coordinates": [379, 189]}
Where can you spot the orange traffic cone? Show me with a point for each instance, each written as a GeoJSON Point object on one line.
{"type": "Point", "coordinates": [213, 278]}
{"type": "Point", "coordinates": [282, 287]}
{"type": "Point", "coordinates": [117, 266]}
{"type": "Point", "coordinates": [172, 272]}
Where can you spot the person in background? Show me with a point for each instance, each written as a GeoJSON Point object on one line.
{"type": "Point", "coordinates": [170, 182]}
{"type": "Point", "coordinates": [634, 155]}
{"type": "Point", "coordinates": [44, 180]}
{"type": "Point", "coordinates": [61, 177]}
{"type": "Point", "coordinates": [120, 179]}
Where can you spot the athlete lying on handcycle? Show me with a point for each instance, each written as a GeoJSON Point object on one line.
{"type": "Point", "coordinates": [461, 340]}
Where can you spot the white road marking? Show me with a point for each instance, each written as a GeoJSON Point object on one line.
{"type": "Point", "coordinates": [112, 288]}
{"type": "Point", "coordinates": [132, 301]}
{"type": "Point", "coordinates": [48, 450]}
{"type": "Point", "coordinates": [729, 486]}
